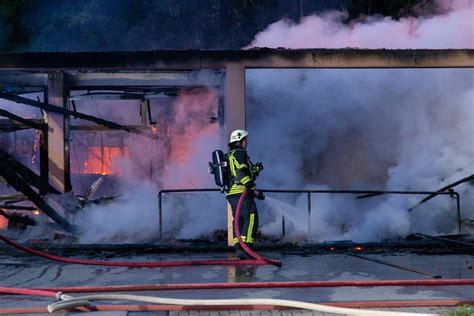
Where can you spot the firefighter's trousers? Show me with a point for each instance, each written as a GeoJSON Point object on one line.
{"type": "Point", "coordinates": [248, 221]}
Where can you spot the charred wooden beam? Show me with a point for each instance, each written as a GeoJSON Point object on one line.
{"type": "Point", "coordinates": [4, 214]}
{"type": "Point", "coordinates": [18, 220]}
{"type": "Point", "coordinates": [56, 109]}
{"type": "Point", "coordinates": [12, 198]}
{"type": "Point", "coordinates": [19, 184]}
{"type": "Point", "coordinates": [100, 128]}
{"type": "Point", "coordinates": [26, 173]}
{"type": "Point", "coordinates": [8, 126]}
{"type": "Point", "coordinates": [107, 96]}
{"type": "Point", "coordinates": [249, 58]}
{"type": "Point", "coordinates": [18, 207]}
{"type": "Point", "coordinates": [147, 81]}
{"type": "Point", "coordinates": [31, 123]}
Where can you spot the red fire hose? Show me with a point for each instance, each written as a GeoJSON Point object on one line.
{"type": "Point", "coordinates": [350, 304]}
{"type": "Point", "coordinates": [259, 260]}
{"type": "Point", "coordinates": [256, 285]}
{"type": "Point", "coordinates": [14, 290]}
{"type": "Point", "coordinates": [249, 251]}
{"type": "Point", "coordinates": [152, 264]}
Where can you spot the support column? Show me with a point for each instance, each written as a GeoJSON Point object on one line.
{"type": "Point", "coordinates": [58, 135]}
{"type": "Point", "coordinates": [144, 112]}
{"type": "Point", "coordinates": [234, 116]}
{"type": "Point", "coordinates": [234, 107]}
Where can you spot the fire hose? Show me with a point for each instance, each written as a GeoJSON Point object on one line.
{"type": "Point", "coordinates": [85, 300]}
{"type": "Point", "coordinates": [258, 260]}
{"type": "Point", "coordinates": [246, 248]}
{"type": "Point", "coordinates": [228, 308]}
{"type": "Point", "coordinates": [258, 285]}
{"type": "Point", "coordinates": [67, 302]}
{"type": "Point", "coordinates": [152, 264]}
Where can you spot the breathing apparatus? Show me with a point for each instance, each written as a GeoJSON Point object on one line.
{"type": "Point", "coordinates": [219, 167]}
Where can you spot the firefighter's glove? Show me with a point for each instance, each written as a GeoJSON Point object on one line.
{"type": "Point", "coordinates": [259, 195]}
{"type": "Point", "coordinates": [259, 166]}
{"type": "Point", "coordinates": [249, 185]}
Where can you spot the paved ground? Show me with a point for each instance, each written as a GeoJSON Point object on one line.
{"type": "Point", "coordinates": [31, 272]}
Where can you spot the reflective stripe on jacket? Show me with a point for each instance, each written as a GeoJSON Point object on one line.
{"type": "Point", "coordinates": [242, 171]}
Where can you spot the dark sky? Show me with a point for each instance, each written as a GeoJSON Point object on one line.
{"type": "Point", "coordinates": [114, 25]}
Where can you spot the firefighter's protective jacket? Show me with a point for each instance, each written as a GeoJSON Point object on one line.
{"type": "Point", "coordinates": [242, 172]}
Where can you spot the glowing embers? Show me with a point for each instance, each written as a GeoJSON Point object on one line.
{"type": "Point", "coordinates": [358, 248]}
{"type": "Point", "coordinates": [154, 129]}
{"type": "Point", "coordinates": [102, 160]}
{"type": "Point", "coordinates": [35, 147]}
{"type": "Point", "coordinates": [3, 222]}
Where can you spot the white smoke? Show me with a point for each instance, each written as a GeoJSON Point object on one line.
{"type": "Point", "coordinates": [178, 160]}
{"type": "Point", "coordinates": [365, 129]}
{"type": "Point", "coordinates": [134, 216]}
{"type": "Point", "coordinates": [451, 29]}
{"type": "Point", "coordinates": [393, 129]}
{"type": "Point", "coordinates": [131, 218]}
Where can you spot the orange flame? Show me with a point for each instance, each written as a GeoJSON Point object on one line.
{"type": "Point", "coordinates": [200, 104]}
{"type": "Point", "coordinates": [100, 159]}
{"type": "Point", "coordinates": [3, 222]}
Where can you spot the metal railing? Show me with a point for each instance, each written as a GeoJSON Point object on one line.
{"type": "Point", "coordinates": [362, 195]}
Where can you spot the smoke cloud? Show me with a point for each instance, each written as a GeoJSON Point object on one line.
{"type": "Point", "coordinates": [133, 217]}
{"type": "Point", "coordinates": [365, 129]}
{"type": "Point", "coordinates": [188, 133]}
{"type": "Point", "coordinates": [393, 129]}
{"type": "Point", "coordinates": [451, 29]}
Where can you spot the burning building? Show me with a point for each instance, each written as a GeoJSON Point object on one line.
{"type": "Point", "coordinates": [155, 118]}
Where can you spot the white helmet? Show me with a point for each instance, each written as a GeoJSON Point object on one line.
{"type": "Point", "coordinates": [238, 135]}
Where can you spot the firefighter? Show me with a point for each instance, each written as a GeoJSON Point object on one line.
{"type": "Point", "coordinates": [242, 175]}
